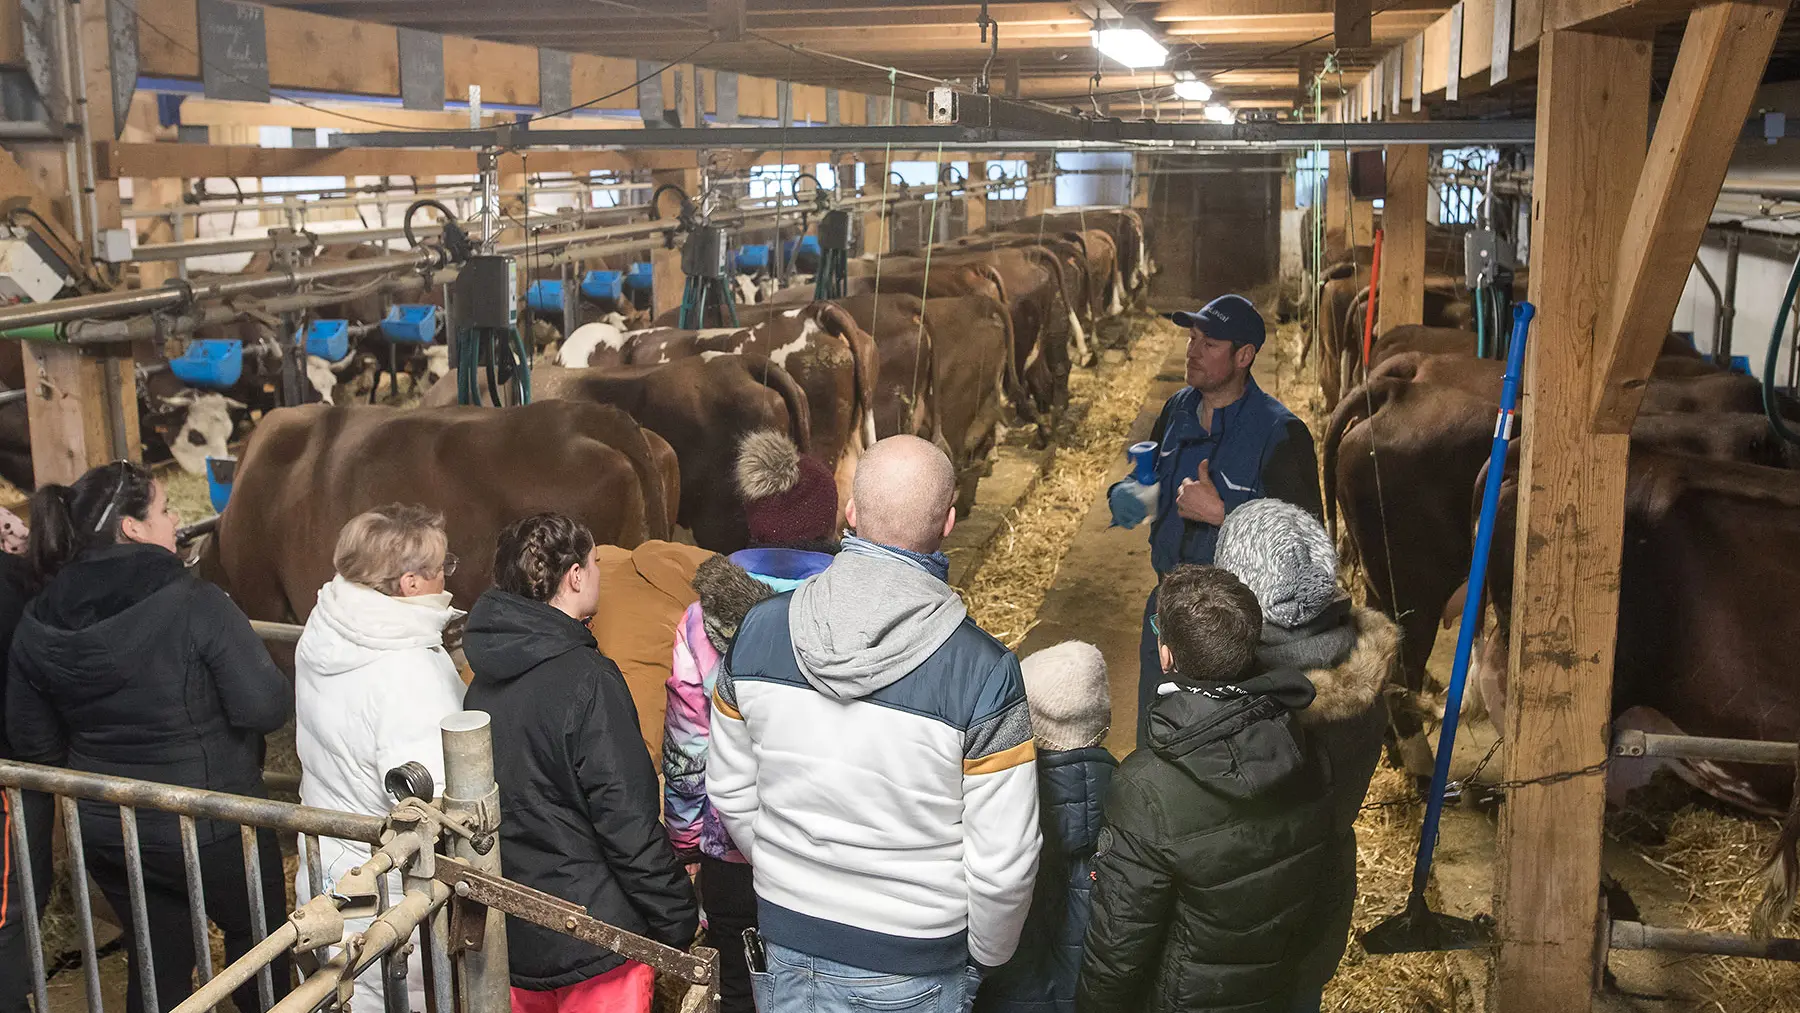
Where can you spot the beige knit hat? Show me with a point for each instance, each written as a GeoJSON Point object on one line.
{"type": "Point", "coordinates": [1071, 704]}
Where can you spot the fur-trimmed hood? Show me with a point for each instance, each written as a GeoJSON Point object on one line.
{"type": "Point", "coordinates": [1351, 687]}
{"type": "Point", "coordinates": [727, 594]}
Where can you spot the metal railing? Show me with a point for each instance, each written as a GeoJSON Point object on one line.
{"type": "Point", "coordinates": [446, 854]}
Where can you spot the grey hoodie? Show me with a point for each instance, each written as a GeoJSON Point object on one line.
{"type": "Point", "coordinates": [873, 616]}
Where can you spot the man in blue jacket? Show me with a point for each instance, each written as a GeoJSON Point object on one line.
{"type": "Point", "coordinates": [1221, 442]}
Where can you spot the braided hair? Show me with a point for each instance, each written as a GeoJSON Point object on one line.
{"type": "Point", "coordinates": [534, 553]}
{"type": "Point", "coordinates": [68, 519]}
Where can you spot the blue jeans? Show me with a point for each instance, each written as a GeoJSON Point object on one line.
{"type": "Point", "coordinates": [798, 983]}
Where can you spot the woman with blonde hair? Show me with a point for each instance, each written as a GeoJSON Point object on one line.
{"type": "Point", "coordinates": [372, 681]}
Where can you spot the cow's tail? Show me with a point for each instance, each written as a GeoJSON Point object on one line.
{"type": "Point", "coordinates": [1015, 384]}
{"type": "Point", "coordinates": [866, 362]}
{"type": "Point", "coordinates": [1358, 405]}
{"type": "Point", "coordinates": [782, 382]}
{"type": "Point", "coordinates": [1781, 874]}
{"type": "Point", "coordinates": [1079, 336]}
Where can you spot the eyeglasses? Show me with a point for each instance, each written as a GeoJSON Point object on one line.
{"type": "Point", "coordinates": [1155, 627]}
{"type": "Point", "coordinates": [449, 563]}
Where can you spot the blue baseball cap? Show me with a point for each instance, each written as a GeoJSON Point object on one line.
{"type": "Point", "coordinates": [1230, 318]}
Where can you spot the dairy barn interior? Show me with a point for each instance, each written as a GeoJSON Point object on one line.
{"type": "Point", "coordinates": [339, 220]}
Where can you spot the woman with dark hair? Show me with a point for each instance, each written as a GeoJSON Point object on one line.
{"type": "Point", "coordinates": [578, 793]}
{"type": "Point", "coordinates": [126, 665]}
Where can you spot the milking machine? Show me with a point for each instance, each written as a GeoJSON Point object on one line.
{"type": "Point", "coordinates": [705, 259]}
{"type": "Point", "coordinates": [834, 235]}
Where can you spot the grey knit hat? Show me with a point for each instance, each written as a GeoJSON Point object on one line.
{"type": "Point", "coordinates": [1071, 704]}
{"type": "Point", "coordinates": [1283, 555]}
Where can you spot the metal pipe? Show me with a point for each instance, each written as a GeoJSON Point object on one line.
{"type": "Point", "coordinates": [65, 65]}
{"type": "Point", "coordinates": [1718, 300]}
{"type": "Point", "coordinates": [1734, 244]}
{"type": "Point", "coordinates": [128, 303]}
{"type": "Point", "coordinates": [225, 204]}
{"type": "Point", "coordinates": [259, 910]}
{"type": "Point", "coordinates": [1638, 936]}
{"type": "Point", "coordinates": [470, 791]}
{"type": "Point", "coordinates": [386, 932]}
{"type": "Point", "coordinates": [34, 933]}
{"type": "Point", "coordinates": [28, 130]}
{"type": "Point", "coordinates": [84, 907]}
{"type": "Point", "coordinates": [196, 892]}
{"type": "Point", "coordinates": [91, 178]}
{"type": "Point", "coordinates": [241, 970]}
{"type": "Point", "coordinates": [196, 802]}
{"type": "Point", "coordinates": [1632, 742]}
{"type": "Point", "coordinates": [277, 633]}
{"type": "Point", "coordinates": [435, 935]}
{"type": "Point", "coordinates": [140, 911]}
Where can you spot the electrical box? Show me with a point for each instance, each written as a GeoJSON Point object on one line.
{"type": "Point", "coordinates": [704, 253]}
{"type": "Point", "coordinates": [113, 246]}
{"type": "Point", "coordinates": [487, 293]}
{"type": "Point", "coordinates": [1481, 257]}
{"type": "Point", "coordinates": [942, 106]}
{"type": "Point", "coordinates": [1368, 174]}
{"type": "Point", "coordinates": [29, 270]}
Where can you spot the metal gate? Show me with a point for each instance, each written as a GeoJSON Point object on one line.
{"type": "Point", "coordinates": [445, 851]}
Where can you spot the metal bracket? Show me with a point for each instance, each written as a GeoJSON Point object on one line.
{"type": "Point", "coordinates": [468, 924]}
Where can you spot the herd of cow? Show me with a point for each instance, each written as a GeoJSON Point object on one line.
{"type": "Point", "coordinates": [634, 431]}
{"type": "Point", "coordinates": [1710, 576]}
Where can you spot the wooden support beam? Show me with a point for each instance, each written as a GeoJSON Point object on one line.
{"type": "Point", "coordinates": [1716, 74]}
{"type": "Point", "coordinates": [1351, 24]}
{"type": "Point", "coordinates": [726, 18]}
{"type": "Point", "coordinates": [877, 236]}
{"type": "Point", "coordinates": [1040, 196]}
{"type": "Point", "coordinates": [1592, 103]}
{"type": "Point", "coordinates": [667, 279]}
{"type": "Point", "coordinates": [975, 208]}
{"type": "Point", "coordinates": [1403, 237]}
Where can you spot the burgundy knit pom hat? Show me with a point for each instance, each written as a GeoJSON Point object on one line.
{"type": "Point", "coordinates": [790, 498]}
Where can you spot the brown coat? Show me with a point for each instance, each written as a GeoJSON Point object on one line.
{"type": "Point", "coordinates": [643, 592]}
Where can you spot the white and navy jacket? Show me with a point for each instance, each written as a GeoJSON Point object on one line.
{"type": "Point", "coordinates": [896, 832]}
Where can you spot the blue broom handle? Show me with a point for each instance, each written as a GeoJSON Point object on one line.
{"type": "Point", "coordinates": [1471, 617]}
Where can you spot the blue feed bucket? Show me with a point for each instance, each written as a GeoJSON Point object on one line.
{"type": "Point", "coordinates": [639, 276]}
{"type": "Point", "coordinates": [328, 339]}
{"type": "Point", "coordinates": [221, 472]}
{"type": "Point", "coordinates": [214, 363]}
{"type": "Point", "coordinates": [753, 258]}
{"type": "Point", "coordinates": [411, 324]}
{"type": "Point", "coordinates": [545, 296]}
{"type": "Point", "coordinates": [603, 286]}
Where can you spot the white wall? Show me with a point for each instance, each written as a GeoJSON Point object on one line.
{"type": "Point", "coordinates": [1760, 283]}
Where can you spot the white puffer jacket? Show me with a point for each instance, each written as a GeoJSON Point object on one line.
{"type": "Point", "coordinates": [371, 682]}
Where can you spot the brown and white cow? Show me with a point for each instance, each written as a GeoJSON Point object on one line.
{"type": "Point", "coordinates": [308, 470]}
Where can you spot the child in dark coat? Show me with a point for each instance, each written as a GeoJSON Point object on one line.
{"type": "Point", "coordinates": [1071, 712]}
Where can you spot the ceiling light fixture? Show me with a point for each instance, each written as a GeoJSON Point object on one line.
{"type": "Point", "coordinates": [1193, 91]}
{"type": "Point", "coordinates": [1131, 47]}
{"type": "Point", "coordinates": [1220, 114]}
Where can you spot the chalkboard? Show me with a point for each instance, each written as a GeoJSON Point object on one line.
{"type": "Point", "coordinates": [421, 70]}
{"type": "Point", "coordinates": [234, 51]}
{"type": "Point", "coordinates": [831, 107]}
{"type": "Point", "coordinates": [555, 92]}
{"type": "Point", "coordinates": [649, 89]}
{"type": "Point", "coordinates": [784, 103]}
{"type": "Point", "coordinates": [725, 85]}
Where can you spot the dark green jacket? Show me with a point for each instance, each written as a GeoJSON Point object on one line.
{"type": "Point", "coordinates": [1222, 870]}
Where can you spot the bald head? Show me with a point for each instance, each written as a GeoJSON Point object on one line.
{"type": "Point", "coordinates": [903, 494]}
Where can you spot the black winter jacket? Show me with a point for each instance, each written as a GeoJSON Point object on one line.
{"type": "Point", "coordinates": [126, 665]}
{"type": "Point", "coordinates": [578, 794]}
{"type": "Point", "coordinates": [1227, 874]}
{"type": "Point", "coordinates": [1041, 976]}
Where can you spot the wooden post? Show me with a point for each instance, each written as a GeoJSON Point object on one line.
{"type": "Point", "coordinates": [667, 280]}
{"type": "Point", "coordinates": [975, 206]}
{"type": "Point", "coordinates": [1141, 181]}
{"type": "Point", "coordinates": [1337, 199]}
{"type": "Point", "coordinates": [877, 237]}
{"type": "Point", "coordinates": [1403, 243]}
{"type": "Point", "coordinates": [1592, 105]}
{"type": "Point", "coordinates": [1716, 75]}
{"type": "Point", "coordinates": [1040, 196]}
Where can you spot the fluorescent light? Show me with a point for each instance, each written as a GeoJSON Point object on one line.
{"type": "Point", "coordinates": [1132, 47]}
{"type": "Point", "coordinates": [1193, 91]}
{"type": "Point", "coordinates": [1220, 114]}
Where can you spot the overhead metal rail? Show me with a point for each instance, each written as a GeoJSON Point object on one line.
{"type": "Point", "coordinates": [174, 295]}
{"type": "Point", "coordinates": [983, 121]}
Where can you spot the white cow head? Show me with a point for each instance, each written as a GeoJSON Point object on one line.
{"type": "Point", "coordinates": [205, 431]}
